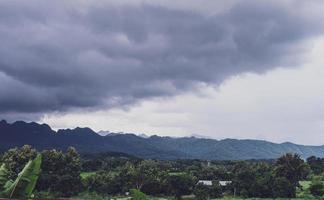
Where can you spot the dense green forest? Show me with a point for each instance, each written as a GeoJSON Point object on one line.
{"type": "Point", "coordinates": [27, 173]}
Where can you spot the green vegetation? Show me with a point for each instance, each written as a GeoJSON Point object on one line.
{"type": "Point", "coordinates": [85, 175]}
{"type": "Point", "coordinates": [52, 174]}
{"type": "Point", "coordinates": [138, 195]}
{"type": "Point", "coordinates": [303, 190]}
{"type": "Point", "coordinates": [25, 182]}
{"type": "Point", "coordinates": [3, 176]}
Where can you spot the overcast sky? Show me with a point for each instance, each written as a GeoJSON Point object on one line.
{"type": "Point", "coordinates": [221, 69]}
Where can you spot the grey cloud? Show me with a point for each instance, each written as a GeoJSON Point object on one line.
{"type": "Point", "coordinates": [58, 56]}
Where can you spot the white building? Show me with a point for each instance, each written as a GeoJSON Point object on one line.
{"type": "Point", "coordinates": [224, 183]}
{"type": "Point", "coordinates": [210, 183]}
{"type": "Point", "coordinates": [205, 182]}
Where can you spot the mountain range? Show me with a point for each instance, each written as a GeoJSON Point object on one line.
{"type": "Point", "coordinates": [42, 136]}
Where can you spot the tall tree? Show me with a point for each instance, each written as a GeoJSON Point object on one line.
{"type": "Point", "coordinates": [180, 184]}
{"type": "Point", "coordinates": [61, 172]}
{"type": "Point", "coordinates": [16, 159]}
{"type": "Point", "coordinates": [291, 167]}
{"type": "Point", "coordinates": [201, 191]}
{"type": "Point", "coordinates": [145, 172]}
{"type": "Point", "coordinates": [316, 164]}
{"type": "Point", "coordinates": [282, 188]}
{"type": "Point", "coordinates": [244, 177]}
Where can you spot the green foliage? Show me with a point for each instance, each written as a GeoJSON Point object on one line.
{"type": "Point", "coordinates": [265, 180]}
{"type": "Point", "coordinates": [146, 171]}
{"type": "Point", "coordinates": [61, 177]}
{"type": "Point", "coordinates": [179, 185]}
{"type": "Point", "coordinates": [150, 177]}
{"type": "Point", "coordinates": [216, 191]}
{"type": "Point", "coordinates": [146, 175]}
{"type": "Point", "coordinates": [283, 188]}
{"type": "Point", "coordinates": [4, 177]}
{"type": "Point", "coordinates": [316, 164]}
{"type": "Point", "coordinates": [244, 177]}
{"type": "Point", "coordinates": [317, 188]}
{"type": "Point", "coordinates": [201, 191]}
{"type": "Point", "coordinates": [138, 195]}
{"type": "Point", "coordinates": [263, 183]}
{"type": "Point", "coordinates": [292, 167]}
{"type": "Point", "coordinates": [85, 175]}
{"type": "Point", "coordinates": [105, 161]}
{"type": "Point", "coordinates": [211, 173]}
{"type": "Point", "coordinates": [25, 183]}
{"type": "Point", "coordinates": [303, 190]}
{"type": "Point", "coordinates": [16, 159]}
{"type": "Point", "coordinates": [61, 173]}
{"type": "Point", "coordinates": [188, 197]}
{"type": "Point", "coordinates": [105, 183]}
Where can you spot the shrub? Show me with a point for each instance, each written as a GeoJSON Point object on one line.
{"type": "Point", "coordinates": [138, 195]}
{"type": "Point", "coordinates": [202, 192]}
{"type": "Point", "coordinates": [317, 189]}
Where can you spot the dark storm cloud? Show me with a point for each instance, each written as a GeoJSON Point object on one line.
{"type": "Point", "coordinates": [55, 56]}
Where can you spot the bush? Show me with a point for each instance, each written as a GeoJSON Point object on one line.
{"type": "Point", "coordinates": [202, 192]}
{"type": "Point", "coordinates": [317, 189]}
{"type": "Point", "coordinates": [138, 195]}
{"type": "Point", "coordinates": [60, 173]}
{"type": "Point", "coordinates": [180, 184]}
{"type": "Point", "coordinates": [103, 183]}
{"type": "Point", "coordinates": [16, 159]}
{"type": "Point", "coordinates": [283, 188]}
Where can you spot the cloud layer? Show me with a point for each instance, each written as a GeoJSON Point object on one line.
{"type": "Point", "coordinates": [285, 104]}
{"type": "Point", "coordinates": [57, 56]}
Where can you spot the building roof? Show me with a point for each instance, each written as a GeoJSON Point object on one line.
{"type": "Point", "coordinates": [224, 183]}
{"type": "Point", "coordinates": [209, 182]}
{"type": "Point", "coordinates": [205, 182]}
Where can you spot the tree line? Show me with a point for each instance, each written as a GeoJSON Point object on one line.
{"type": "Point", "coordinates": [67, 174]}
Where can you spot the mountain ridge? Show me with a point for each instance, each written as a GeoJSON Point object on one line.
{"type": "Point", "coordinates": [41, 136]}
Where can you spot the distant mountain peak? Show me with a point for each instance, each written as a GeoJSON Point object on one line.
{"type": "Point", "coordinates": [113, 134]}
{"type": "Point", "coordinates": [3, 121]}
{"type": "Point", "coordinates": [143, 135]}
{"type": "Point", "coordinates": [103, 133]}
{"type": "Point", "coordinates": [199, 136]}
{"type": "Point", "coordinates": [78, 131]}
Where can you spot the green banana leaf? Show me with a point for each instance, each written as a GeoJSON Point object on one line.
{"type": "Point", "coordinates": [3, 176]}
{"type": "Point", "coordinates": [26, 181]}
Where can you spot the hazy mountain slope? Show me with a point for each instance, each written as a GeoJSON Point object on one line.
{"type": "Point", "coordinates": [88, 141]}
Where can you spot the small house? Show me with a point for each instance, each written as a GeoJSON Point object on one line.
{"type": "Point", "coordinates": [225, 183]}
{"type": "Point", "coordinates": [205, 182]}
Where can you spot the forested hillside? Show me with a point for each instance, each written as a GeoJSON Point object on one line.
{"type": "Point", "coordinates": [86, 140]}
